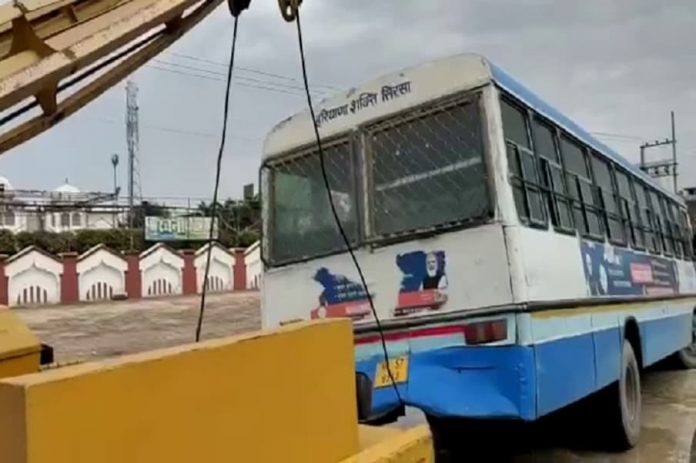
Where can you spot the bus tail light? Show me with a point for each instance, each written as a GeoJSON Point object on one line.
{"type": "Point", "coordinates": [485, 332]}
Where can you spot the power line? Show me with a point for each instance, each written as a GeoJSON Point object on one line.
{"type": "Point", "coordinates": [189, 74]}
{"type": "Point", "coordinates": [617, 135]}
{"type": "Point", "coordinates": [253, 71]}
{"type": "Point", "coordinates": [220, 74]}
{"type": "Point", "coordinates": [176, 130]}
{"type": "Point", "coordinates": [241, 84]}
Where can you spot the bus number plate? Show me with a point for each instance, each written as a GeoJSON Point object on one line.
{"type": "Point", "coordinates": [399, 371]}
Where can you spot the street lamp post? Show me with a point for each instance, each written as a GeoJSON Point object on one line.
{"type": "Point", "coordinates": [114, 162]}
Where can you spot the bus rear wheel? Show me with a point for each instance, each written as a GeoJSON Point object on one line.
{"type": "Point", "coordinates": [623, 403]}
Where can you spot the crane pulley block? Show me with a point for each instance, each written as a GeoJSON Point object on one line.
{"type": "Point", "coordinates": [288, 8]}
{"type": "Point", "coordinates": [237, 6]}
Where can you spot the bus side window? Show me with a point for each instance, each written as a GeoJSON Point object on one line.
{"type": "Point", "coordinates": [647, 219]}
{"type": "Point", "coordinates": [523, 168]}
{"type": "Point", "coordinates": [580, 188]}
{"type": "Point", "coordinates": [686, 234]}
{"type": "Point", "coordinates": [667, 237]}
{"type": "Point", "coordinates": [608, 199]}
{"type": "Point", "coordinates": [672, 215]}
{"type": "Point", "coordinates": [658, 223]}
{"type": "Point", "coordinates": [551, 172]}
{"type": "Point", "coordinates": [630, 212]}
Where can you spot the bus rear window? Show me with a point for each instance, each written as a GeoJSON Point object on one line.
{"type": "Point", "coordinates": [428, 170]}
{"type": "Point", "coordinates": [302, 223]}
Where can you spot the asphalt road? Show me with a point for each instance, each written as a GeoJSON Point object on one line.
{"type": "Point", "coordinates": [93, 331]}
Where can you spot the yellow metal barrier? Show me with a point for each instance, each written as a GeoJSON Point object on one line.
{"type": "Point", "coordinates": [390, 445]}
{"type": "Point", "coordinates": [19, 347]}
{"type": "Point", "coordinates": [286, 395]}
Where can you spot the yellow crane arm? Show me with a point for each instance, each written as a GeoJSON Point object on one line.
{"type": "Point", "coordinates": [49, 46]}
{"type": "Point", "coordinates": [44, 44]}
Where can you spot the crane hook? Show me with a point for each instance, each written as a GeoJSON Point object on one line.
{"type": "Point", "coordinates": [237, 6]}
{"type": "Point", "coordinates": [289, 9]}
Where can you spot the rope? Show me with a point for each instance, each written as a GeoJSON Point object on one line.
{"type": "Point", "coordinates": [218, 168]}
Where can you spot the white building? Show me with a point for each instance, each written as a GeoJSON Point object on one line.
{"type": "Point", "coordinates": [254, 266]}
{"type": "Point", "coordinates": [64, 209]}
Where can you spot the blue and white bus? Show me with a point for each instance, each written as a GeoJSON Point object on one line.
{"type": "Point", "coordinates": [516, 263]}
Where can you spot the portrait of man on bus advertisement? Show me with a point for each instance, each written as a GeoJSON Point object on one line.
{"type": "Point", "coordinates": [340, 297]}
{"type": "Point", "coordinates": [424, 282]}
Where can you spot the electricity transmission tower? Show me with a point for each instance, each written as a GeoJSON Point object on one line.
{"type": "Point", "coordinates": [133, 142]}
{"type": "Point", "coordinates": [664, 167]}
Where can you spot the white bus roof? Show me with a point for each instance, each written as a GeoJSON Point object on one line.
{"type": "Point", "coordinates": [421, 84]}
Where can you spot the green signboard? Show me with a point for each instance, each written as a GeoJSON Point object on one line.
{"type": "Point", "coordinates": [179, 228]}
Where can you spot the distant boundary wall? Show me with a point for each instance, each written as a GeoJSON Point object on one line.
{"type": "Point", "coordinates": [34, 277]}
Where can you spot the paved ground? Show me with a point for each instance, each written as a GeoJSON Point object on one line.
{"type": "Point", "coordinates": [86, 332]}
{"type": "Point", "coordinates": [92, 331]}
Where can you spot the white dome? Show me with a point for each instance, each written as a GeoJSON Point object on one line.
{"type": "Point", "coordinates": [67, 188]}
{"type": "Point", "coordinates": [6, 183]}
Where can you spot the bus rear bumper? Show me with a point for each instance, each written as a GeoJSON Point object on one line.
{"type": "Point", "coordinates": [467, 382]}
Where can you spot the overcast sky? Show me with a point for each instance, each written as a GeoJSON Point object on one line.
{"type": "Point", "coordinates": [615, 67]}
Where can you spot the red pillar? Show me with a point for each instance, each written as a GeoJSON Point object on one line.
{"type": "Point", "coordinates": [4, 282]}
{"type": "Point", "coordinates": [133, 277]}
{"type": "Point", "coordinates": [239, 270]}
{"type": "Point", "coordinates": [69, 291]}
{"type": "Point", "coordinates": [188, 275]}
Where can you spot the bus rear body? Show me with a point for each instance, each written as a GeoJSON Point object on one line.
{"type": "Point", "coordinates": [508, 253]}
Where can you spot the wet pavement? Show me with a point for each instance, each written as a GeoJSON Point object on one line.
{"type": "Point", "coordinates": [92, 331]}
{"type": "Point", "coordinates": [669, 425]}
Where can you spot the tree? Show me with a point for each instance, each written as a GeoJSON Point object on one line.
{"type": "Point", "coordinates": [8, 242]}
{"type": "Point", "coordinates": [147, 209]}
{"type": "Point", "coordinates": [239, 221]}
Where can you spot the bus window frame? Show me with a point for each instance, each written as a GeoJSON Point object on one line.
{"type": "Point", "coordinates": [674, 229]}
{"type": "Point", "coordinates": [299, 152]}
{"type": "Point", "coordinates": [548, 164]}
{"type": "Point", "coordinates": [687, 233]}
{"type": "Point", "coordinates": [633, 228]}
{"type": "Point", "coordinates": [475, 96]}
{"type": "Point", "coordinates": [651, 238]}
{"type": "Point", "coordinates": [526, 184]}
{"type": "Point", "coordinates": [578, 178]}
{"type": "Point", "coordinates": [659, 219]}
{"type": "Point", "coordinates": [613, 191]}
{"type": "Point", "coordinates": [667, 232]}
{"type": "Point", "coordinates": [651, 234]}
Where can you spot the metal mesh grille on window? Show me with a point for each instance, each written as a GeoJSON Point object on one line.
{"type": "Point", "coordinates": [303, 225]}
{"type": "Point", "coordinates": [427, 169]}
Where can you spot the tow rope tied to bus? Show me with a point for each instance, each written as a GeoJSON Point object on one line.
{"type": "Point", "coordinates": [290, 10]}
{"type": "Point", "coordinates": [334, 212]}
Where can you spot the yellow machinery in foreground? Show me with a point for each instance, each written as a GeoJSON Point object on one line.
{"type": "Point", "coordinates": [19, 347]}
{"type": "Point", "coordinates": [284, 395]}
